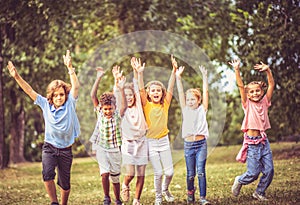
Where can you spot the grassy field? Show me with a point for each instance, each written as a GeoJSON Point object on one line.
{"type": "Point", "coordinates": [22, 184]}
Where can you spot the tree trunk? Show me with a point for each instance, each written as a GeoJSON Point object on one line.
{"type": "Point", "coordinates": [16, 146]}
{"type": "Point", "coordinates": [2, 125]}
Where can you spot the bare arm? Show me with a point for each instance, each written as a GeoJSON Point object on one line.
{"type": "Point", "coordinates": [171, 80]}
{"type": "Point", "coordinates": [121, 98]}
{"type": "Point", "coordinates": [205, 87]}
{"type": "Point", "coordinates": [180, 87]}
{"type": "Point", "coordinates": [73, 77]}
{"type": "Point", "coordinates": [100, 73]}
{"type": "Point", "coordinates": [21, 82]}
{"type": "Point", "coordinates": [137, 65]}
{"type": "Point", "coordinates": [271, 84]}
{"type": "Point", "coordinates": [236, 65]}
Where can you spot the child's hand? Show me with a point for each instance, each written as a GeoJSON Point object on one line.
{"type": "Point", "coordinates": [68, 60]}
{"type": "Point", "coordinates": [174, 64]}
{"type": "Point", "coordinates": [179, 71]}
{"type": "Point", "coordinates": [100, 72]}
{"type": "Point", "coordinates": [261, 67]}
{"type": "Point", "coordinates": [137, 65]}
{"type": "Point", "coordinates": [116, 72]}
{"type": "Point", "coordinates": [235, 64]}
{"type": "Point", "coordinates": [203, 71]}
{"type": "Point", "coordinates": [121, 82]}
{"type": "Point", "coordinates": [11, 68]}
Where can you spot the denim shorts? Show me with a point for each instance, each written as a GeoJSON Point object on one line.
{"type": "Point", "coordinates": [53, 157]}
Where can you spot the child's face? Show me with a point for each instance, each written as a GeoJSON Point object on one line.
{"type": "Point", "coordinates": [254, 92]}
{"type": "Point", "coordinates": [129, 97]}
{"type": "Point", "coordinates": [108, 110]}
{"type": "Point", "coordinates": [192, 101]}
{"type": "Point", "coordinates": [155, 93]}
{"type": "Point", "coordinates": [59, 97]}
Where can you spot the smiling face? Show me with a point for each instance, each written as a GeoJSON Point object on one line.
{"type": "Point", "coordinates": [59, 97]}
{"type": "Point", "coordinates": [129, 97]}
{"type": "Point", "coordinates": [155, 93]}
{"type": "Point", "coordinates": [254, 92]}
{"type": "Point", "coordinates": [108, 110]}
{"type": "Point", "coordinates": [192, 101]}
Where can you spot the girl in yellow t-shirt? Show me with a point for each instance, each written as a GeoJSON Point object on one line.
{"type": "Point", "coordinates": [156, 102]}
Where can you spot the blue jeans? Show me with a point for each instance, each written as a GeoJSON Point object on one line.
{"type": "Point", "coordinates": [195, 158]}
{"type": "Point", "coordinates": [259, 160]}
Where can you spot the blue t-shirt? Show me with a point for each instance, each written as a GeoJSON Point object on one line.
{"type": "Point", "coordinates": [62, 124]}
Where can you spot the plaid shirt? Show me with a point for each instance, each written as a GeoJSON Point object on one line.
{"type": "Point", "coordinates": [107, 133]}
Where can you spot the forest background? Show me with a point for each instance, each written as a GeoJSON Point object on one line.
{"type": "Point", "coordinates": [35, 34]}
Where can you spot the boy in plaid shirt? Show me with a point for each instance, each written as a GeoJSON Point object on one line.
{"type": "Point", "coordinates": [106, 138]}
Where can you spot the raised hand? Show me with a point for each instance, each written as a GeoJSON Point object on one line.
{"type": "Point", "coordinates": [137, 64]}
{"type": "Point", "coordinates": [116, 72]}
{"type": "Point", "coordinates": [100, 72]}
{"type": "Point", "coordinates": [235, 63]}
{"type": "Point", "coordinates": [68, 60]}
{"type": "Point", "coordinates": [12, 70]}
{"type": "Point", "coordinates": [174, 63]}
{"type": "Point", "coordinates": [261, 67]}
{"type": "Point", "coordinates": [203, 70]}
{"type": "Point", "coordinates": [179, 71]}
{"type": "Point", "coordinates": [121, 82]}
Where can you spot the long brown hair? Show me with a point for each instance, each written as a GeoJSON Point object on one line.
{"type": "Point", "coordinates": [54, 85]}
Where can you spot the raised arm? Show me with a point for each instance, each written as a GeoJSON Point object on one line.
{"type": "Point", "coordinates": [137, 65]}
{"type": "Point", "coordinates": [119, 90]}
{"type": "Point", "coordinates": [179, 71]}
{"type": "Point", "coordinates": [205, 87]}
{"type": "Point", "coordinates": [271, 84]}
{"type": "Point", "coordinates": [73, 77]}
{"type": "Point", "coordinates": [21, 82]}
{"type": "Point", "coordinates": [100, 73]}
{"type": "Point", "coordinates": [236, 65]}
{"type": "Point", "coordinates": [171, 80]}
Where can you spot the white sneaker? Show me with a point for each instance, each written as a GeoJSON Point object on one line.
{"type": "Point", "coordinates": [168, 196]}
{"type": "Point", "coordinates": [259, 197]}
{"type": "Point", "coordinates": [236, 187]}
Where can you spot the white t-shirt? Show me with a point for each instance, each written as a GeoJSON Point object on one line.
{"type": "Point", "coordinates": [194, 122]}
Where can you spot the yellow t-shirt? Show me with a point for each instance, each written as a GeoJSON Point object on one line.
{"type": "Point", "coordinates": [157, 119]}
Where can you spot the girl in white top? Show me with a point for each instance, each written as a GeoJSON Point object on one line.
{"type": "Point", "coordinates": [134, 145]}
{"type": "Point", "coordinates": [194, 133]}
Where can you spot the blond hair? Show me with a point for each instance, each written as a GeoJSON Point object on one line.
{"type": "Point", "coordinates": [196, 92]}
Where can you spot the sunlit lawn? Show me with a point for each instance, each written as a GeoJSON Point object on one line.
{"type": "Point", "coordinates": [22, 184]}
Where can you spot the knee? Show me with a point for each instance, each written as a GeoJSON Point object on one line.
{"type": "Point", "coordinates": [191, 178]}
{"type": "Point", "coordinates": [201, 174]}
{"type": "Point", "coordinates": [115, 178]}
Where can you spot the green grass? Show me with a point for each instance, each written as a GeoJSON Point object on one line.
{"type": "Point", "coordinates": [23, 184]}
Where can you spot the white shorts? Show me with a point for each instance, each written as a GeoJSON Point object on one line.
{"type": "Point", "coordinates": [109, 162]}
{"type": "Point", "coordinates": [135, 152]}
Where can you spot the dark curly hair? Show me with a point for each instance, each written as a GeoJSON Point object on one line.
{"type": "Point", "coordinates": [54, 85]}
{"type": "Point", "coordinates": [107, 98]}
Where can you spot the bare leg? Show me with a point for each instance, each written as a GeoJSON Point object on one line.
{"type": "Point", "coordinates": [64, 196]}
{"type": "Point", "coordinates": [51, 190]}
{"type": "Point", "coordinates": [105, 183]}
{"type": "Point", "coordinates": [116, 188]}
{"type": "Point", "coordinates": [130, 172]}
{"type": "Point", "coordinates": [140, 181]}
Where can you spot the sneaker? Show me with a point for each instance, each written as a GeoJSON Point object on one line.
{"type": "Point", "coordinates": [158, 201]}
{"type": "Point", "coordinates": [136, 202]}
{"type": "Point", "coordinates": [168, 196]}
{"type": "Point", "coordinates": [191, 196]}
{"type": "Point", "coordinates": [204, 202]}
{"type": "Point", "coordinates": [259, 197]}
{"type": "Point", "coordinates": [118, 202]}
{"type": "Point", "coordinates": [106, 200]}
{"type": "Point", "coordinates": [125, 195]}
{"type": "Point", "coordinates": [236, 187]}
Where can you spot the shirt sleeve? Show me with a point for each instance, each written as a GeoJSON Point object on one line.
{"type": "Point", "coordinates": [41, 101]}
